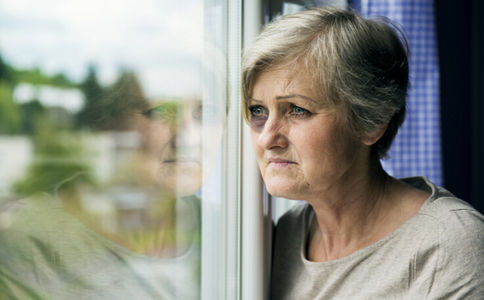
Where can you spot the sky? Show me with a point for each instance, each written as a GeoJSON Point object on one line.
{"type": "Point", "coordinates": [160, 40]}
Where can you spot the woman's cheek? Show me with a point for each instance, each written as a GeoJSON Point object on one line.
{"type": "Point", "coordinates": [157, 137]}
{"type": "Point", "coordinates": [257, 123]}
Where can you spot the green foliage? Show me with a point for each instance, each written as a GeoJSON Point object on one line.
{"type": "Point", "coordinates": [60, 159]}
{"type": "Point", "coordinates": [93, 95]}
{"type": "Point", "coordinates": [121, 102]}
{"type": "Point", "coordinates": [9, 111]}
{"type": "Point", "coordinates": [5, 71]}
{"type": "Point", "coordinates": [59, 153]}
{"type": "Point", "coordinates": [36, 77]}
{"type": "Point", "coordinates": [30, 112]}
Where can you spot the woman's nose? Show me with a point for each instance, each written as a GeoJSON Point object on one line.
{"type": "Point", "coordinates": [272, 135]}
{"type": "Point", "coordinates": [187, 132]}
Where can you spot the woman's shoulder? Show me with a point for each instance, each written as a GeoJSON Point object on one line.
{"type": "Point", "coordinates": [449, 260]}
{"type": "Point", "coordinates": [449, 236]}
{"type": "Point", "coordinates": [454, 221]}
{"type": "Point", "coordinates": [24, 238]}
{"type": "Point", "coordinates": [26, 213]}
{"type": "Point", "coordinates": [40, 223]}
{"type": "Point", "coordinates": [459, 227]}
{"type": "Point", "coordinates": [442, 203]}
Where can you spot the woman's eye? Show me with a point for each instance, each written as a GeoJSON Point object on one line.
{"type": "Point", "coordinates": [298, 111]}
{"type": "Point", "coordinates": [258, 116]}
{"type": "Point", "coordinates": [161, 112]}
{"type": "Point", "coordinates": [257, 111]}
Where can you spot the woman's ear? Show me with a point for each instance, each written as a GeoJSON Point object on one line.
{"type": "Point", "coordinates": [373, 137]}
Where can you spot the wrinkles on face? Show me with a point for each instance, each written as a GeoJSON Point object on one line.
{"type": "Point", "coordinates": [302, 145]}
{"type": "Point", "coordinates": [272, 135]}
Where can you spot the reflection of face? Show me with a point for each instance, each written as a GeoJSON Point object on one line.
{"type": "Point", "coordinates": [302, 147]}
{"type": "Point", "coordinates": [175, 133]}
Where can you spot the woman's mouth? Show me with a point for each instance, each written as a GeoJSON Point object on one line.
{"type": "Point", "coordinates": [279, 162]}
{"type": "Point", "coordinates": [180, 161]}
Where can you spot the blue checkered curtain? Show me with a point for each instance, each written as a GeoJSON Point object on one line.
{"type": "Point", "coordinates": [417, 147]}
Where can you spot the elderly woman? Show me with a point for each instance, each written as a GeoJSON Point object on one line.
{"type": "Point", "coordinates": [324, 94]}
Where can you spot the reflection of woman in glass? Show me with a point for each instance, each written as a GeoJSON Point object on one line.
{"type": "Point", "coordinates": [173, 138]}
{"type": "Point", "coordinates": [62, 248]}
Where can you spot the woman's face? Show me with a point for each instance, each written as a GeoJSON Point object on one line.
{"type": "Point", "coordinates": [301, 145]}
{"type": "Point", "coordinates": [181, 141]}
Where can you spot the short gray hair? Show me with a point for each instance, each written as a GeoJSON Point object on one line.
{"type": "Point", "coordinates": [359, 65]}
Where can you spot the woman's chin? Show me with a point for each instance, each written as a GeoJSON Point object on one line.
{"type": "Point", "coordinates": [179, 188]}
{"type": "Point", "coordinates": [284, 189]}
{"type": "Point", "coordinates": [179, 179]}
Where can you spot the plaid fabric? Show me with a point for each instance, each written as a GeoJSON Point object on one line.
{"type": "Point", "coordinates": [417, 147]}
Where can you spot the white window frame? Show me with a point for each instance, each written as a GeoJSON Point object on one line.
{"type": "Point", "coordinates": [256, 219]}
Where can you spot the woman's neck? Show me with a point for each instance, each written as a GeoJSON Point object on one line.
{"type": "Point", "coordinates": [369, 208]}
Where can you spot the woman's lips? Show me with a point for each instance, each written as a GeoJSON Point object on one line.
{"type": "Point", "coordinates": [180, 161]}
{"type": "Point", "coordinates": [279, 162]}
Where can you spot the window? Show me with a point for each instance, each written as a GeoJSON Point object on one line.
{"type": "Point", "coordinates": [119, 149]}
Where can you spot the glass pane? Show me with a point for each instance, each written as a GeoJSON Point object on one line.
{"type": "Point", "coordinates": [112, 115]}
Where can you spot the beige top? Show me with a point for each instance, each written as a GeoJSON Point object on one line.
{"type": "Point", "coordinates": [437, 254]}
{"type": "Point", "coordinates": [46, 253]}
